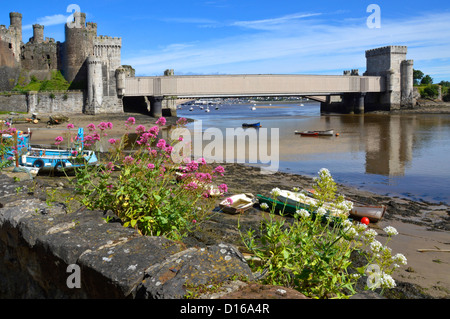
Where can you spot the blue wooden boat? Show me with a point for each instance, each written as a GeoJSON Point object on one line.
{"type": "Point", "coordinates": [251, 125]}
{"type": "Point", "coordinates": [42, 158]}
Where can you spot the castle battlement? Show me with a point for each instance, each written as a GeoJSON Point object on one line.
{"type": "Point", "coordinates": [393, 49]}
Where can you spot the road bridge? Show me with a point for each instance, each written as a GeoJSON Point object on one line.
{"type": "Point", "coordinates": [387, 84]}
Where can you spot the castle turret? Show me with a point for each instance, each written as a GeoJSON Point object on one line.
{"type": "Point", "coordinates": [38, 33]}
{"type": "Point", "coordinates": [16, 30]}
{"type": "Point", "coordinates": [94, 85]}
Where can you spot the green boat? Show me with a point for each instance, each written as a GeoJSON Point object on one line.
{"type": "Point", "coordinates": [286, 209]}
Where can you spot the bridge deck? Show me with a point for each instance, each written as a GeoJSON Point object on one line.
{"type": "Point", "coordinates": [251, 85]}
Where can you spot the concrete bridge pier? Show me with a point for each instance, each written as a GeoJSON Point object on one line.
{"type": "Point", "coordinates": [349, 103]}
{"type": "Point", "coordinates": [156, 103]}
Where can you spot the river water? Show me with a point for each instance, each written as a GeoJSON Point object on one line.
{"type": "Point", "coordinates": [404, 155]}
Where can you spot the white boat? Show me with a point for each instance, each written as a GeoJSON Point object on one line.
{"type": "Point", "coordinates": [237, 204]}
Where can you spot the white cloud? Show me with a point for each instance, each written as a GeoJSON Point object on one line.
{"type": "Point", "coordinates": [294, 44]}
{"type": "Point", "coordinates": [48, 21]}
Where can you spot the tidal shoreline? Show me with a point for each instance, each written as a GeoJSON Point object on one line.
{"type": "Point", "coordinates": [420, 225]}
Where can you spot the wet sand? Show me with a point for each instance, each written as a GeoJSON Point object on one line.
{"type": "Point", "coordinates": [421, 225]}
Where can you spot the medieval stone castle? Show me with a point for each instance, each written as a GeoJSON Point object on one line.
{"type": "Point", "coordinates": [86, 60]}
{"type": "Point", "coordinates": [92, 64]}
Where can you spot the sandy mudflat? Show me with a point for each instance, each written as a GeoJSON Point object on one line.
{"type": "Point", "coordinates": [420, 225]}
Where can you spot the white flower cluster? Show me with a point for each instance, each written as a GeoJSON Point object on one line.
{"type": "Point", "coordinates": [391, 231]}
{"type": "Point", "coordinates": [387, 281]}
{"type": "Point", "coordinates": [324, 171]}
{"type": "Point", "coordinates": [264, 206]}
{"type": "Point", "coordinates": [303, 213]}
{"type": "Point", "coordinates": [275, 192]}
{"type": "Point", "coordinates": [400, 259]}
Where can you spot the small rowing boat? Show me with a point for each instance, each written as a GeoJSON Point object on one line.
{"type": "Point", "coordinates": [315, 133]}
{"type": "Point", "coordinates": [237, 204]}
{"type": "Point", "coordinates": [252, 125]}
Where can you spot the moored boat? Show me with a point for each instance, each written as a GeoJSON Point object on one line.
{"type": "Point", "coordinates": [237, 204]}
{"type": "Point", "coordinates": [251, 125]}
{"type": "Point", "coordinates": [359, 210]}
{"type": "Point", "coordinates": [315, 133]}
{"type": "Point", "coordinates": [44, 158]}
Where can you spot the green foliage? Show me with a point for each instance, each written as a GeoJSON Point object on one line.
{"type": "Point", "coordinates": [146, 189]}
{"type": "Point", "coordinates": [56, 83]}
{"type": "Point", "coordinates": [417, 76]}
{"type": "Point", "coordinates": [430, 91]}
{"type": "Point", "coordinates": [313, 255]}
{"type": "Point", "coordinates": [426, 80]}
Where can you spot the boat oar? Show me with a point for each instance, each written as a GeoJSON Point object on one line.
{"type": "Point", "coordinates": [434, 250]}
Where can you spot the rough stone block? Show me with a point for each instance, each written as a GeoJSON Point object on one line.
{"type": "Point", "coordinates": [191, 269]}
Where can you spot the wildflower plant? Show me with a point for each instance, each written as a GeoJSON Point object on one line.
{"type": "Point", "coordinates": [312, 252]}
{"type": "Point", "coordinates": [143, 186]}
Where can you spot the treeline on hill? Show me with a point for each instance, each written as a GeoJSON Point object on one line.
{"type": "Point", "coordinates": [429, 90]}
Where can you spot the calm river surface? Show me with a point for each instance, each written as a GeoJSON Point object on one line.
{"type": "Point", "coordinates": [404, 155]}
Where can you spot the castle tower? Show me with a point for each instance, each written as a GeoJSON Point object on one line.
{"type": "Point", "coordinates": [38, 33]}
{"type": "Point", "coordinates": [79, 45]}
{"type": "Point", "coordinates": [391, 64]}
{"type": "Point", "coordinates": [94, 85]}
{"type": "Point", "coordinates": [16, 30]}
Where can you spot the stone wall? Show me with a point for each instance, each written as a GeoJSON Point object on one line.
{"type": "Point", "coordinates": [43, 102]}
{"type": "Point", "coordinates": [45, 251]}
{"type": "Point", "coordinates": [13, 102]}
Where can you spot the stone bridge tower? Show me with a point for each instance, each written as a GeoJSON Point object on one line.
{"type": "Point", "coordinates": [390, 62]}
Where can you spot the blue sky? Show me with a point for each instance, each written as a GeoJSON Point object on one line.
{"type": "Point", "coordinates": [255, 37]}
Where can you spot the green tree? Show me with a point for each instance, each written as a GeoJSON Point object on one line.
{"type": "Point", "coordinates": [445, 83]}
{"type": "Point", "coordinates": [417, 76]}
{"type": "Point", "coordinates": [426, 80]}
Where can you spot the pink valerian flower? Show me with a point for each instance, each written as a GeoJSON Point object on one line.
{"type": "Point", "coordinates": [58, 140]}
{"type": "Point", "coordinates": [150, 166]}
{"type": "Point", "coordinates": [70, 126]}
{"type": "Point", "coordinates": [162, 121]}
{"type": "Point", "coordinates": [154, 130]}
{"type": "Point", "coordinates": [191, 186]}
{"type": "Point", "coordinates": [180, 138]}
{"type": "Point", "coordinates": [220, 170]}
{"type": "Point", "coordinates": [131, 120]}
{"type": "Point", "coordinates": [161, 144]}
{"type": "Point", "coordinates": [192, 166]}
{"type": "Point", "coordinates": [91, 127]}
{"type": "Point", "coordinates": [194, 221]}
{"type": "Point", "coordinates": [103, 126]}
{"type": "Point", "coordinates": [110, 186]}
{"type": "Point", "coordinates": [203, 177]}
{"type": "Point", "coordinates": [96, 136]}
{"type": "Point", "coordinates": [128, 160]}
{"type": "Point", "coordinates": [140, 129]}
{"type": "Point", "coordinates": [169, 149]}
{"type": "Point", "coordinates": [229, 201]}
{"type": "Point", "coordinates": [181, 121]}
{"type": "Point", "coordinates": [202, 161]}
{"type": "Point", "coordinates": [110, 166]}
{"type": "Point", "coordinates": [74, 153]}
{"type": "Point", "coordinates": [223, 188]}
{"type": "Point", "coordinates": [112, 141]}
